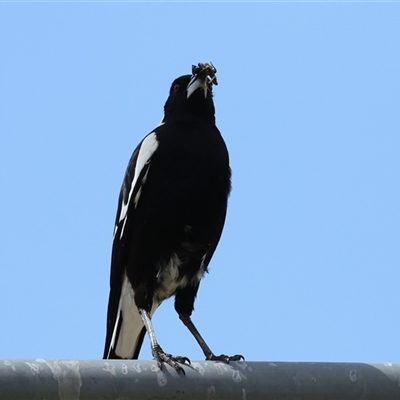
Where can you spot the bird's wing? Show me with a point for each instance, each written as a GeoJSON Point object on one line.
{"type": "Point", "coordinates": [124, 326]}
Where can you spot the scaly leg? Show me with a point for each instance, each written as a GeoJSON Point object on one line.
{"type": "Point", "coordinates": [206, 350]}
{"type": "Point", "coordinates": [158, 353]}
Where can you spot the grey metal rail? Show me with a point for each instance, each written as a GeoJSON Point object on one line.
{"type": "Point", "coordinates": [39, 379]}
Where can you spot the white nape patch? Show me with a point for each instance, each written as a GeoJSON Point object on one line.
{"type": "Point", "coordinates": [131, 325]}
{"type": "Point", "coordinates": [147, 149]}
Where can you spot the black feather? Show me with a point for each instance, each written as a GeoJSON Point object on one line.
{"type": "Point", "coordinates": [170, 219]}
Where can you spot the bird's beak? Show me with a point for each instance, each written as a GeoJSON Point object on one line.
{"type": "Point", "coordinates": [198, 81]}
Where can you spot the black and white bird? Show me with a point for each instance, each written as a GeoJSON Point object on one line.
{"type": "Point", "coordinates": [171, 213]}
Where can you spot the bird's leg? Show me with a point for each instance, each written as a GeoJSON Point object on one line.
{"type": "Point", "coordinates": [158, 353]}
{"type": "Point", "coordinates": [206, 350]}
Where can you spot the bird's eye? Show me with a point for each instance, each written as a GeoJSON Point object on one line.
{"type": "Point", "coordinates": [176, 88]}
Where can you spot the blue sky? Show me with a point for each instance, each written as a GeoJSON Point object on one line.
{"type": "Point", "coordinates": [308, 102]}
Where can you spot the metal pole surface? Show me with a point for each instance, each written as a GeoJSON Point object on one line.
{"type": "Point", "coordinates": [50, 379]}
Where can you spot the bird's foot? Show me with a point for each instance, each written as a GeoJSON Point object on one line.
{"type": "Point", "coordinates": [224, 358]}
{"type": "Point", "coordinates": [173, 361]}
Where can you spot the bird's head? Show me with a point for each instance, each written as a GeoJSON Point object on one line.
{"type": "Point", "coordinates": [192, 94]}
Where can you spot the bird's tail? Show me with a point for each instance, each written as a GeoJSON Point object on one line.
{"type": "Point", "coordinates": [126, 332]}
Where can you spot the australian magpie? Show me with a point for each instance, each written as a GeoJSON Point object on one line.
{"type": "Point", "coordinates": [170, 216]}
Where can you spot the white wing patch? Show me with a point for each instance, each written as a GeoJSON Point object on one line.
{"type": "Point", "coordinates": [139, 192]}
{"type": "Point", "coordinates": [147, 149]}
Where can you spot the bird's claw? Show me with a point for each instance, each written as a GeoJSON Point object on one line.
{"type": "Point", "coordinates": [173, 361]}
{"type": "Point", "coordinates": [224, 358]}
